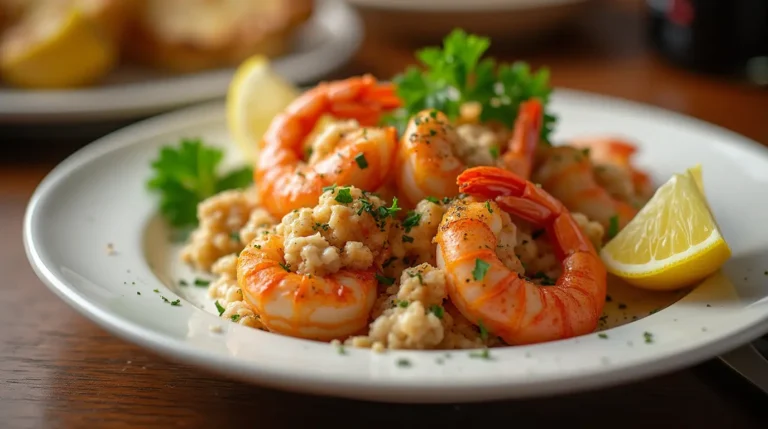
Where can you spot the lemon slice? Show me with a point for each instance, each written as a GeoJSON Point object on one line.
{"type": "Point", "coordinates": [56, 49]}
{"type": "Point", "coordinates": [256, 94]}
{"type": "Point", "coordinates": [673, 242]}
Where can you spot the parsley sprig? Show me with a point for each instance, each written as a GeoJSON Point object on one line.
{"type": "Point", "coordinates": [457, 74]}
{"type": "Point", "coordinates": [187, 174]}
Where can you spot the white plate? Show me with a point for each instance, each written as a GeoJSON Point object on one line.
{"type": "Point", "coordinates": [97, 196]}
{"type": "Point", "coordinates": [326, 42]}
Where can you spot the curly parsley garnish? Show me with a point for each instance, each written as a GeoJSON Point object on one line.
{"type": "Point", "coordinates": [187, 174]}
{"type": "Point", "coordinates": [456, 73]}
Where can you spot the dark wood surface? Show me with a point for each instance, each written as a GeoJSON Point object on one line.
{"type": "Point", "coordinates": [58, 370]}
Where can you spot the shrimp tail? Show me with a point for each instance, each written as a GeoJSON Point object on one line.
{"type": "Point", "coordinates": [521, 152]}
{"type": "Point", "coordinates": [527, 201]}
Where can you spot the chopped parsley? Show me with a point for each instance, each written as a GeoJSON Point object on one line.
{"type": "Point", "coordinates": [331, 188]}
{"type": "Point", "coordinates": [402, 362]}
{"type": "Point", "coordinates": [234, 235]}
{"type": "Point", "coordinates": [488, 206]}
{"type": "Point", "coordinates": [436, 201]}
{"type": "Point", "coordinates": [186, 174]}
{"type": "Point", "coordinates": [436, 310]}
{"type": "Point", "coordinates": [613, 226]}
{"type": "Point", "coordinates": [183, 282]}
{"type": "Point", "coordinates": [258, 246]}
{"type": "Point", "coordinates": [407, 239]}
{"type": "Point", "coordinates": [156, 290]}
{"type": "Point", "coordinates": [385, 280]}
{"type": "Point", "coordinates": [340, 349]}
{"type": "Point", "coordinates": [603, 335]}
{"type": "Point", "coordinates": [138, 293]}
{"type": "Point", "coordinates": [648, 337]}
{"type": "Point", "coordinates": [235, 317]}
{"type": "Point", "coordinates": [483, 330]}
{"type": "Point", "coordinates": [202, 282]}
{"type": "Point", "coordinates": [403, 304]}
{"type": "Point", "coordinates": [176, 303]}
{"type": "Point", "coordinates": [481, 267]}
{"type": "Point", "coordinates": [494, 151]}
{"type": "Point", "coordinates": [388, 262]}
{"type": "Point", "coordinates": [344, 196]}
{"type": "Point", "coordinates": [361, 161]}
{"type": "Point", "coordinates": [482, 354]}
{"type": "Point", "coordinates": [411, 220]}
{"type": "Point", "coordinates": [219, 307]}
{"type": "Point", "coordinates": [286, 267]}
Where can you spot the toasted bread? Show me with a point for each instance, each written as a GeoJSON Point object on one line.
{"type": "Point", "coordinates": [193, 35]}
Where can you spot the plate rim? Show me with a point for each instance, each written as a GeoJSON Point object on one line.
{"type": "Point", "coordinates": [100, 103]}
{"type": "Point", "coordinates": [316, 382]}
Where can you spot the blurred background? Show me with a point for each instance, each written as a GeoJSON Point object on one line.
{"type": "Point", "coordinates": [73, 70]}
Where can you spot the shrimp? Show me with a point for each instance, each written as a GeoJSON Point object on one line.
{"type": "Point", "coordinates": [566, 173]}
{"type": "Point", "coordinates": [508, 304]}
{"type": "Point", "coordinates": [322, 308]}
{"type": "Point", "coordinates": [432, 154]}
{"type": "Point", "coordinates": [362, 157]}
{"type": "Point", "coordinates": [522, 147]}
{"type": "Point", "coordinates": [314, 275]}
{"type": "Point", "coordinates": [610, 154]}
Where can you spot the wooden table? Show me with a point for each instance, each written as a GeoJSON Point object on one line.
{"type": "Point", "coordinates": [59, 370]}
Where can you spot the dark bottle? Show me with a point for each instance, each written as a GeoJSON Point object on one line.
{"type": "Point", "coordinates": [720, 36]}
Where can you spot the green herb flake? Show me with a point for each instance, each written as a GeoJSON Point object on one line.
{"type": "Point", "coordinates": [403, 363]}
{"type": "Point", "coordinates": [412, 219]}
{"type": "Point", "coordinates": [361, 161]}
{"type": "Point", "coordinates": [234, 235]}
{"type": "Point", "coordinates": [483, 330]}
{"type": "Point", "coordinates": [202, 282]}
{"type": "Point", "coordinates": [494, 151]}
{"type": "Point", "coordinates": [407, 239]}
{"type": "Point", "coordinates": [344, 196]}
{"type": "Point", "coordinates": [603, 335]}
{"type": "Point", "coordinates": [235, 317]}
{"type": "Point", "coordinates": [331, 188]}
{"type": "Point", "coordinates": [388, 262]}
{"type": "Point", "coordinates": [437, 310]}
{"type": "Point", "coordinates": [403, 304]}
{"type": "Point", "coordinates": [340, 349]}
{"type": "Point", "coordinates": [648, 337]}
{"type": "Point", "coordinates": [488, 206]}
{"type": "Point", "coordinates": [286, 267]}
{"type": "Point", "coordinates": [385, 280]}
{"type": "Point", "coordinates": [219, 307]}
{"type": "Point", "coordinates": [183, 282]}
{"type": "Point", "coordinates": [138, 293]}
{"type": "Point", "coordinates": [613, 226]}
{"type": "Point", "coordinates": [176, 303]}
{"type": "Point", "coordinates": [434, 200]}
{"type": "Point", "coordinates": [481, 267]}
{"type": "Point", "coordinates": [482, 354]}
{"type": "Point", "coordinates": [156, 290]}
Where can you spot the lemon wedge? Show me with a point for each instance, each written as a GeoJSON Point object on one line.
{"type": "Point", "coordinates": [256, 94]}
{"type": "Point", "coordinates": [673, 242]}
{"type": "Point", "coordinates": [56, 49]}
